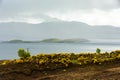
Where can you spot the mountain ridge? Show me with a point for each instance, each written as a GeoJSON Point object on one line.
{"type": "Point", "coordinates": [60, 30]}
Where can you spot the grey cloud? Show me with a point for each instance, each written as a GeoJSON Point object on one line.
{"type": "Point", "coordinates": [59, 4]}
{"type": "Point", "coordinates": [0, 2]}
{"type": "Point", "coordinates": [13, 8]}
{"type": "Point", "coordinates": [46, 5]}
{"type": "Point", "coordinates": [43, 16]}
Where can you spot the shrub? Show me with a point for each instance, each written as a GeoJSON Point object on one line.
{"type": "Point", "coordinates": [73, 56]}
{"type": "Point", "coordinates": [23, 54]}
{"type": "Point", "coordinates": [117, 51]}
{"type": "Point", "coordinates": [98, 50]}
{"type": "Point", "coordinates": [63, 60]}
{"type": "Point", "coordinates": [28, 54]}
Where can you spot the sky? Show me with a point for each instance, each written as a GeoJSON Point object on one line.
{"type": "Point", "coordinates": [92, 12]}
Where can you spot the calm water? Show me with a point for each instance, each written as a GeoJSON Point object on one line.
{"type": "Point", "coordinates": [9, 50]}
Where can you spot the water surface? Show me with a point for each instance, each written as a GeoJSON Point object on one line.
{"type": "Point", "coordinates": [9, 50]}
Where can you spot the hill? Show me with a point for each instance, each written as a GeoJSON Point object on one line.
{"type": "Point", "coordinates": [51, 40]}
{"type": "Point", "coordinates": [60, 30]}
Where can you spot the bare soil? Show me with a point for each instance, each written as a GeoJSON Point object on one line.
{"type": "Point", "coordinates": [73, 72]}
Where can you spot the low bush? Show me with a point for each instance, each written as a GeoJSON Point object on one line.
{"type": "Point", "coordinates": [53, 61]}
{"type": "Point", "coordinates": [23, 54]}
{"type": "Point", "coordinates": [98, 50]}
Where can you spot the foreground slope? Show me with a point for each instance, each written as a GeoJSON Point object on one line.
{"type": "Point", "coordinates": [105, 66]}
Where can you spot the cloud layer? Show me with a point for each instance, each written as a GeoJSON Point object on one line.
{"type": "Point", "coordinates": [93, 12]}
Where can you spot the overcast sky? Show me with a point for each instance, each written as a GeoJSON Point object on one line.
{"type": "Point", "coordinates": [93, 12]}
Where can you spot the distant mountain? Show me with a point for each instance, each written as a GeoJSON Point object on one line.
{"type": "Point", "coordinates": [62, 30]}
{"type": "Point", "coordinates": [51, 40]}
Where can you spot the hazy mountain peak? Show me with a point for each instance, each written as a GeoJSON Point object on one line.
{"type": "Point", "coordinates": [59, 29]}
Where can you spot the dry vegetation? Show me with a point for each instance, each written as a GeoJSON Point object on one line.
{"type": "Point", "coordinates": [88, 66]}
